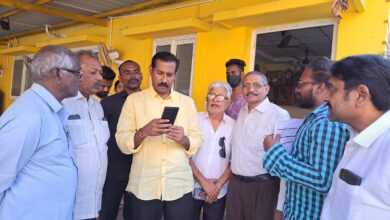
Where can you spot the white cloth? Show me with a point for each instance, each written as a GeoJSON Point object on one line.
{"type": "Point", "coordinates": [88, 132]}
{"type": "Point", "coordinates": [207, 159]}
{"type": "Point", "coordinates": [248, 135]}
{"type": "Point", "coordinates": [367, 155]}
{"type": "Point", "coordinates": [282, 195]}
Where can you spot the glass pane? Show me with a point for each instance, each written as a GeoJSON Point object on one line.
{"type": "Point", "coordinates": [17, 78]}
{"type": "Point", "coordinates": [166, 48]}
{"type": "Point", "coordinates": [183, 79]}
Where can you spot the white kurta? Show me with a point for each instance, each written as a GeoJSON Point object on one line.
{"type": "Point", "coordinates": [207, 159]}
{"type": "Point", "coordinates": [88, 131]}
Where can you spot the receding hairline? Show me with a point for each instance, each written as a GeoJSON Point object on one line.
{"type": "Point", "coordinates": [257, 73]}
{"type": "Point", "coordinates": [128, 62]}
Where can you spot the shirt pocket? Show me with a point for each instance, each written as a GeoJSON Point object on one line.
{"type": "Point", "coordinates": [76, 132]}
{"type": "Point", "coordinates": [103, 133]}
{"type": "Point", "coordinates": [346, 204]}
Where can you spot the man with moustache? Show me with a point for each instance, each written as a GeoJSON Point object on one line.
{"type": "Point", "coordinates": [317, 149]}
{"type": "Point", "coordinates": [161, 180]}
{"type": "Point", "coordinates": [211, 164]}
{"type": "Point", "coordinates": [119, 164]}
{"type": "Point", "coordinates": [38, 178]}
{"type": "Point", "coordinates": [234, 75]}
{"type": "Point", "coordinates": [253, 192]}
{"type": "Point", "coordinates": [88, 132]}
{"type": "Point", "coordinates": [108, 78]}
{"type": "Point", "coordinates": [360, 97]}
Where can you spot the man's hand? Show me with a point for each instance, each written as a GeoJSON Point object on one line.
{"type": "Point", "coordinates": [176, 133]}
{"type": "Point", "coordinates": [156, 127]}
{"type": "Point", "coordinates": [278, 215]}
{"type": "Point", "coordinates": [210, 188]}
{"type": "Point", "coordinates": [269, 141]}
{"type": "Point", "coordinates": [210, 199]}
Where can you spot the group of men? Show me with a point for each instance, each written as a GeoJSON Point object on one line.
{"type": "Point", "coordinates": [65, 155]}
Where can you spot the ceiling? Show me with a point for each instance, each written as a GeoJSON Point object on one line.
{"type": "Point", "coordinates": [275, 48]}
{"type": "Point", "coordinates": [55, 12]}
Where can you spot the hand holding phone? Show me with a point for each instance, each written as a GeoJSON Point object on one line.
{"type": "Point", "coordinates": [170, 113]}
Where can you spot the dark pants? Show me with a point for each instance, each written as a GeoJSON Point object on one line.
{"type": "Point", "coordinates": [112, 194]}
{"type": "Point", "coordinates": [251, 200]}
{"type": "Point", "coordinates": [179, 209]}
{"type": "Point", "coordinates": [213, 211]}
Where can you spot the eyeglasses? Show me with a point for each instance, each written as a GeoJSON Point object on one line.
{"type": "Point", "coordinates": [254, 85]}
{"type": "Point", "coordinates": [222, 151]}
{"type": "Point", "coordinates": [76, 73]}
{"type": "Point", "coordinates": [302, 84]}
{"type": "Point", "coordinates": [216, 98]}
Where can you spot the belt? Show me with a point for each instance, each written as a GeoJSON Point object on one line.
{"type": "Point", "coordinates": [258, 178]}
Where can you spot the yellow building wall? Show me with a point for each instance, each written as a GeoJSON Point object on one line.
{"type": "Point", "coordinates": [364, 32]}
{"type": "Point", "coordinates": [5, 81]}
{"type": "Point", "coordinates": [232, 25]}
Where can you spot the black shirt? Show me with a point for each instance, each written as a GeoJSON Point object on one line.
{"type": "Point", "coordinates": [119, 164]}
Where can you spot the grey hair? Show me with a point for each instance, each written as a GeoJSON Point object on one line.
{"type": "Point", "coordinates": [262, 76]}
{"type": "Point", "coordinates": [89, 53]}
{"type": "Point", "coordinates": [224, 85]}
{"type": "Point", "coordinates": [49, 58]}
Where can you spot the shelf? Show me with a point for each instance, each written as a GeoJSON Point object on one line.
{"type": "Point", "coordinates": [19, 50]}
{"type": "Point", "coordinates": [74, 41]}
{"type": "Point", "coordinates": [274, 12]}
{"type": "Point", "coordinates": [170, 28]}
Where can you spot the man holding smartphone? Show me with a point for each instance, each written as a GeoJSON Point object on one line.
{"type": "Point", "coordinates": [161, 180]}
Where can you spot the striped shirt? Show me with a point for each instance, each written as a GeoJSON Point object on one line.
{"type": "Point", "coordinates": [308, 170]}
{"type": "Point", "coordinates": [88, 131]}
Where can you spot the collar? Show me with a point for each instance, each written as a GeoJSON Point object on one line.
{"type": "Point", "coordinates": [153, 94]}
{"type": "Point", "coordinates": [223, 119]}
{"type": "Point", "coordinates": [322, 109]}
{"type": "Point", "coordinates": [124, 94]}
{"type": "Point", "coordinates": [260, 107]}
{"type": "Point", "coordinates": [47, 97]}
{"type": "Point", "coordinates": [91, 100]}
{"type": "Point", "coordinates": [366, 137]}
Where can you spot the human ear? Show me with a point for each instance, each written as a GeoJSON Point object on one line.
{"type": "Point", "coordinates": [363, 95]}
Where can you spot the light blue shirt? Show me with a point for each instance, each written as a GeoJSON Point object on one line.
{"type": "Point", "coordinates": [38, 177]}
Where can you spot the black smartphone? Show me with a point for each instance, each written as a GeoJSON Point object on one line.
{"type": "Point", "coordinates": [350, 177]}
{"type": "Point", "coordinates": [170, 113]}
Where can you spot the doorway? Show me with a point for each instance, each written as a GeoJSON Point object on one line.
{"type": "Point", "coordinates": [282, 53]}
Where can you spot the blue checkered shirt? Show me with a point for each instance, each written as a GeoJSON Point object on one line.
{"type": "Point", "coordinates": [308, 170]}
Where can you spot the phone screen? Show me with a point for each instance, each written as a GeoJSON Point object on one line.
{"type": "Point", "coordinates": [170, 113]}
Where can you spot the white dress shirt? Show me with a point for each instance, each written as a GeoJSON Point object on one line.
{"type": "Point", "coordinates": [248, 135]}
{"type": "Point", "coordinates": [88, 131]}
{"type": "Point", "coordinates": [367, 155]}
{"type": "Point", "coordinates": [208, 161]}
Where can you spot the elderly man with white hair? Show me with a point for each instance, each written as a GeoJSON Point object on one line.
{"type": "Point", "coordinates": [38, 177]}
{"type": "Point", "coordinates": [211, 164]}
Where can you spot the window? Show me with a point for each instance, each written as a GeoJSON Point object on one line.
{"type": "Point", "coordinates": [183, 48]}
{"type": "Point", "coordinates": [21, 77]}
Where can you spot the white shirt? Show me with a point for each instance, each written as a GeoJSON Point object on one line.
{"type": "Point", "coordinates": [248, 135]}
{"type": "Point", "coordinates": [367, 155]}
{"type": "Point", "coordinates": [88, 131]}
{"type": "Point", "coordinates": [207, 159]}
{"type": "Point", "coordinates": [282, 195]}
